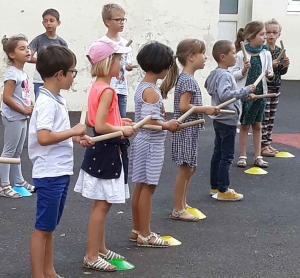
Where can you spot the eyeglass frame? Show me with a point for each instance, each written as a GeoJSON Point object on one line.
{"type": "Point", "coordinates": [74, 73]}
{"type": "Point", "coordinates": [119, 20]}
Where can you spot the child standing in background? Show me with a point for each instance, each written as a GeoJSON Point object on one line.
{"type": "Point", "coordinates": [221, 85]}
{"type": "Point", "coordinates": [191, 55]}
{"type": "Point", "coordinates": [147, 151]}
{"type": "Point", "coordinates": [246, 72]}
{"type": "Point", "coordinates": [50, 22]}
{"type": "Point", "coordinates": [16, 109]}
{"type": "Point", "coordinates": [280, 67]}
{"type": "Point", "coordinates": [103, 175]}
{"type": "Point", "coordinates": [113, 16]}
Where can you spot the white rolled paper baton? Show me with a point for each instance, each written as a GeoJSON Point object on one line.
{"type": "Point", "coordinates": [83, 115]}
{"type": "Point", "coordinates": [282, 47]}
{"type": "Point", "coordinates": [222, 111]}
{"type": "Point", "coordinates": [243, 50]}
{"type": "Point", "coordinates": [186, 114]}
{"type": "Point", "coordinates": [224, 104]}
{"type": "Point", "coordinates": [142, 122]}
{"type": "Point", "coordinates": [191, 123]}
{"type": "Point", "coordinates": [10, 160]}
{"type": "Point", "coordinates": [265, 96]}
{"type": "Point", "coordinates": [106, 136]}
{"type": "Point", "coordinates": [259, 79]}
{"type": "Point", "coordinates": [152, 127]}
{"type": "Point", "coordinates": [281, 54]}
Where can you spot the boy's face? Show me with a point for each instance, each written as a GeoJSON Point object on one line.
{"type": "Point", "coordinates": [116, 22]}
{"type": "Point", "coordinates": [50, 23]}
{"type": "Point", "coordinates": [230, 58]}
{"type": "Point", "coordinates": [273, 33]}
{"type": "Point", "coordinates": [67, 80]}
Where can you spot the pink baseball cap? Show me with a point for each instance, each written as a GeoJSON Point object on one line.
{"type": "Point", "coordinates": [102, 48]}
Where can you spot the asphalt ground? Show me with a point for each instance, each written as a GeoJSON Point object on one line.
{"type": "Point", "coordinates": [257, 237]}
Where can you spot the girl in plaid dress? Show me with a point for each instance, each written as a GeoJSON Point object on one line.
{"type": "Point", "coordinates": [191, 55]}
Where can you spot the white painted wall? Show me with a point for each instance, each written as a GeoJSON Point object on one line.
{"type": "Point", "coordinates": [268, 9]}
{"type": "Point", "coordinates": [167, 21]}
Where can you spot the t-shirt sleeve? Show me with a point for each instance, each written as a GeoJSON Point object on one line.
{"type": "Point", "coordinates": [64, 43]}
{"type": "Point", "coordinates": [188, 85]}
{"type": "Point", "coordinates": [11, 75]}
{"type": "Point", "coordinates": [45, 115]}
{"type": "Point", "coordinates": [34, 44]}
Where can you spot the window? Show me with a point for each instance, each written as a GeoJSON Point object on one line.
{"type": "Point", "coordinates": [293, 6]}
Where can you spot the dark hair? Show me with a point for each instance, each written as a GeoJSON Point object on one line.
{"type": "Point", "coordinates": [10, 44]}
{"type": "Point", "coordinates": [52, 12]}
{"type": "Point", "coordinates": [249, 32]}
{"type": "Point", "coordinates": [221, 47]}
{"type": "Point", "coordinates": [53, 58]}
{"type": "Point", "coordinates": [157, 57]}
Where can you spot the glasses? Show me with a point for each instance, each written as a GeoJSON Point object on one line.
{"type": "Point", "coordinates": [119, 20]}
{"type": "Point", "coordinates": [74, 72]}
{"type": "Point", "coordinates": [274, 33]}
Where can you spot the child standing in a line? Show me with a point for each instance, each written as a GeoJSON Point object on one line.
{"type": "Point", "coordinates": [221, 85]}
{"type": "Point", "coordinates": [280, 67]}
{"type": "Point", "coordinates": [246, 73]}
{"type": "Point", "coordinates": [147, 151]}
{"type": "Point", "coordinates": [16, 109]}
{"type": "Point", "coordinates": [103, 174]}
{"type": "Point", "coordinates": [50, 149]}
{"type": "Point", "coordinates": [50, 22]}
{"type": "Point", "coordinates": [191, 55]}
{"type": "Point", "coordinates": [113, 16]}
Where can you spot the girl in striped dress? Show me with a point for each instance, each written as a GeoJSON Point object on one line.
{"type": "Point", "coordinates": [147, 151]}
{"type": "Point", "coordinates": [191, 55]}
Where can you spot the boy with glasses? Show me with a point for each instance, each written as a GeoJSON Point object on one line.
{"type": "Point", "coordinates": [113, 17]}
{"type": "Point", "coordinates": [280, 67]}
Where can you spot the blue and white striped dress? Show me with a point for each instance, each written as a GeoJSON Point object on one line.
{"type": "Point", "coordinates": [147, 150]}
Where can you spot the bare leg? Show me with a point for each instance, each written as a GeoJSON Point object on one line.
{"type": "Point", "coordinates": [243, 138]}
{"type": "Point", "coordinates": [49, 271]}
{"type": "Point", "coordinates": [135, 208]}
{"type": "Point", "coordinates": [256, 128]}
{"type": "Point", "coordinates": [193, 170]}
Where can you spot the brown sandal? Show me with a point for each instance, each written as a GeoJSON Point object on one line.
{"type": "Point", "coordinates": [267, 152]}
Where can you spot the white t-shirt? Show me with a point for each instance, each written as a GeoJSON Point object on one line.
{"type": "Point", "coordinates": [120, 83]}
{"type": "Point", "coordinates": [21, 94]}
{"type": "Point", "coordinates": [50, 113]}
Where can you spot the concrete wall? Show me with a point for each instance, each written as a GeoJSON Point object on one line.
{"type": "Point", "coordinates": [268, 9]}
{"type": "Point", "coordinates": [167, 21]}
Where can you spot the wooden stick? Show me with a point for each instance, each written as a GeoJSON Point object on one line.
{"type": "Point", "coordinates": [10, 160]}
{"type": "Point", "coordinates": [129, 43]}
{"type": "Point", "coordinates": [152, 127]}
{"type": "Point", "coordinates": [134, 66]}
{"type": "Point", "coordinates": [259, 79]}
{"type": "Point", "coordinates": [282, 47]}
{"type": "Point", "coordinates": [244, 50]}
{"type": "Point", "coordinates": [142, 122]}
{"type": "Point", "coordinates": [106, 136]}
{"type": "Point", "coordinates": [83, 115]}
{"type": "Point", "coordinates": [224, 104]}
{"type": "Point", "coordinates": [222, 111]}
{"type": "Point", "coordinates": [265, 96]}
{"type": "Point", "coordinates": [191, 123]}
{"type": "Point", "coordinates": [186, 114]}
{"type": "Point", "coordinates": [280, 55]}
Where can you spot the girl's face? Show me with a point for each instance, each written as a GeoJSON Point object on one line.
{"type": "Point", "coordinates": [199, 60]}
{"type": "Point", "coordinates": [272, 32]}
{"type": "Point", "coordinates": [115, 66]}
{"type": "Point", "coordinates": [260, 39]}
{"type": "Point", "coordinates": [21, 53]}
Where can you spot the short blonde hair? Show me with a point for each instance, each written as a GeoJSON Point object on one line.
{"type": "Point", "coordinates": [102, 68]}
{"type": "Point", "coordinates": [274, 22]}
{"type": "Point", "coordinates": [108, 9]}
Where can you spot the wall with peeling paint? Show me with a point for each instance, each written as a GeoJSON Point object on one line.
{"type": "Point", "coordinates": [167, 21]}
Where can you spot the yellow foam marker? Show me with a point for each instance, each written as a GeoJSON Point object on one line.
{"type": "Point", "coordinates": [171, 240]}
{"type": "Point", "coordinates": [284, 155]}
{"type": "Point", "coordinates": [197, 213]}
{"type": "Point", "coordinates": [256, 171]}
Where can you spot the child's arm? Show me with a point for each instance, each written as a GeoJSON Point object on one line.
{"type": "Point", "coordinates": [269, 72]}
{"type": "Point", "coordinates": [283, 67]}
{"type": "Point", "coordinates": [150, 96]}
{"type": "Point", "coordinates": [101, 126]}
{"type": "Point", "coordinates": [129, 62]}
{"type": "Point", "coordinates": [33, 47]}
{"type": "Point", "coordinates": [9, 87]}
{"type": "Point", "coordinates": [185, 105]}
{"type": "Point", "coordinates": [241, 67]}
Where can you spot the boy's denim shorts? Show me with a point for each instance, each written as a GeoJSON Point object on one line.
{"type": "Point", "coordinates": [51, 197]}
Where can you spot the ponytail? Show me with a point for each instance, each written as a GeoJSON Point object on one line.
{"type": "Point", "coordinates": [170, 79]}
{"type": "Point", "coordinates": [240, 37]}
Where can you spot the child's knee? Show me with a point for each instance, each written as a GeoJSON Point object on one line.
{"type": "Point", "coordinates": [256, 127]}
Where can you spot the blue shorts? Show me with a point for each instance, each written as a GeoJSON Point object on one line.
{"type": "Point", "coordinates": [51, 198]}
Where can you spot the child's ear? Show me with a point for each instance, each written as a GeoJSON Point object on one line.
{"type": "Point", "coordinates": [11, 55]}
{"type": "Point", "coordinates": [58, 22]}
{"type": "Point", "coordinates": [107, 22]}
{"type": "Point", "coordinates": [191, 57]}
{"type": "Point", "coordinates": [60, 74]}
{"type": "Point", "coordinates": [222, 56]}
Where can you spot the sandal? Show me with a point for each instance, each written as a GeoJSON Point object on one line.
{"type": "Point", "coordinates": [56, 276]}
{"type": "Point", "coordinates": [8, 192]}
{"type": "Point", "coordinates": [99, 265]}
{"type": "Point", "coordinates": [132, 239]}
{"type": "Point", "coordinates": [242, 162]}
{"type": "Point", "coordinates": [259, 162]}
{"type": "Point", "coordinates": [111, 255]}
{"type": "Point", "coordinates": [273, 149]}
{"type": "Point", "coordinates": [176, 216]}
{"type": "Point", "coordinates": [267, 152]}
{"type": "Point", "coordinates": [27, 185]}
{"type": "Point", "coordinates": [158, 242]}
